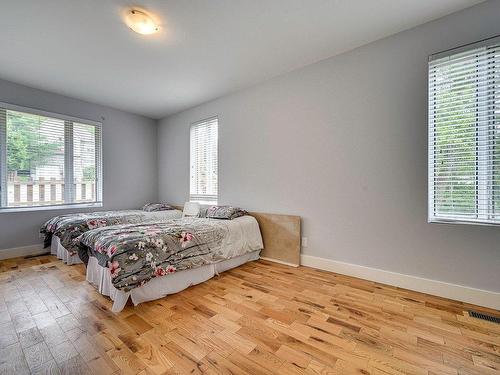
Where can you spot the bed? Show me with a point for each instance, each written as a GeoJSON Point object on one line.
{"type": "Point", "coordinates": [147, 261]}
{"type": "Point", "coordinates": [61, 231]}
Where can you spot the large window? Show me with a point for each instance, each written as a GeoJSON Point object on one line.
{"type": "Point", "coordinates": [48, 160]}
{"type": "Point", "coordinates": [203, 165]}
{"type": "Point", "coordinates": [464, 134]}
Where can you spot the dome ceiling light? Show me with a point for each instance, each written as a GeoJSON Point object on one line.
{"type": "Point", "coordinates": [141, 22]}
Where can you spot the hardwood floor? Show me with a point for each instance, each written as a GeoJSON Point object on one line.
{"type": "Point", "coordinates": [261, 318]}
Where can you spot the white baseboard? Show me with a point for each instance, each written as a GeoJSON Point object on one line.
{"type": "Point", "coordinates": [279, 261]}
{"type": "Point", "coordinates": [22, 251]}
{"type": "Point", "coordinates": [462, 293]}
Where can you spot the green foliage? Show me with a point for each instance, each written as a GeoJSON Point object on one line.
{"type": "Point", "coordinates": [89, 173]}
{"type": "Point", "coordinates": [27, 148]}
{"type": "Point", "coordinates": [455, 115]}
{"type": "Point", "coordinates": [455, 157]}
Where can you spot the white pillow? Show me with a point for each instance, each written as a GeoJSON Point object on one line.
{"type": "Point", "coordinates": [191, 209]}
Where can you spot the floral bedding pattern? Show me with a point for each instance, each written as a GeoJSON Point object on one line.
{"type": "Point", "coordinates": [69, 227]}
{"type": "Point", "coordinates": [137, 253]}
{"type": "Point", "coordinates": [152, 207]}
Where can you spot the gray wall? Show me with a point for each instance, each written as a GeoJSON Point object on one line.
{"type": "Point", "coordinates": [342, 143]}
{"type": "Point", "coordinates": [129, 159]}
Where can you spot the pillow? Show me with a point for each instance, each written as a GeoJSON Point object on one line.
{"type": "Point", "coordinates": [202, 212]}
{"type": "Point", "coordinates": [150, 207]}
{"type": "Point", "coordinates": [222, 212]}
{"type": "Point", "coordinates": [191, 209]}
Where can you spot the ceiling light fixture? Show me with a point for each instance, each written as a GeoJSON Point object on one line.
{"type": "Point", "coordinates": [140, 22]}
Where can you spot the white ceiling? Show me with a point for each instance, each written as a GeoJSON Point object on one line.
{"type": "Point", "coordinates": [206, 48]}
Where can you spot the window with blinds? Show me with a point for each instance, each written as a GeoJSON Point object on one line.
{"type": "Point", "coordinates": [48, 159]}
{"type": "Point", "coordinates": [464, 134]}
{"type": "Point", "coordinates": [203, 161]}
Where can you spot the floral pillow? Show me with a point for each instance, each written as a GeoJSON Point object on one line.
{"type": "Point", "coordinates": [150, 207]}
{"type": "Point", "coordinates": [222, 212]}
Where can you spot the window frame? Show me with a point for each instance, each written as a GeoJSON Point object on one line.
{"type": "Point", "coordinates": [199, 197]}
{"type": "Point", "coordinates": [484, 198]}
{"type": "Point", "coordinates": [70, 191]}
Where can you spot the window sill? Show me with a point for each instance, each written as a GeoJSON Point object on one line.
{"type": "Point", "coordinates": [463, 221]}
{"type": "Point", "coordinates": [50, 208]}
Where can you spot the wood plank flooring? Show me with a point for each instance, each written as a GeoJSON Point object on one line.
{"type": "Point", "coordinates": [261, 318]}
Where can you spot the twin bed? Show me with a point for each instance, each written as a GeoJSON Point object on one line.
{"type": "Point", "coordinates": [148, 255]}
{"type": "Point", "coordinates": [60, 232]}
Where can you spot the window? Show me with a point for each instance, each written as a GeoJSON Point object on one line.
{"type": "Point", "coordinates": [48, 160]}
{"type": "Point", "coordinates": [464, 134]}
{"type": "Point", "coordinates": [203, 165]}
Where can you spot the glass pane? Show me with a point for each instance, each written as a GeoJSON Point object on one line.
{"type": "Point", "coordinates": [454, 116]}
{"type": "Point", "coordinates": [35, 160]}
{"type": "Point", "coordinates": [204, 140]}
{"type": "Point", "coordinates": [496, 146]}
{"type": "Point", "coordinates": [84, 162]}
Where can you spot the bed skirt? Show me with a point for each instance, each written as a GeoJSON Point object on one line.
{"type": "Point", "coordinates": [60, 252]}
{"type": "Point", "coordinates": [159, 287]}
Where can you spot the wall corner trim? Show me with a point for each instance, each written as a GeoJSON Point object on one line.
{"type": "Point", "coordinates": [461, 293]}
{"type": "Point", "coordinates": [23, 251]}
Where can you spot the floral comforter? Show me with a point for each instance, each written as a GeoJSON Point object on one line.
{"type": "Point", "coordinates": [136, 253]}
{"type": "Point", "coordinates": [69, 227]}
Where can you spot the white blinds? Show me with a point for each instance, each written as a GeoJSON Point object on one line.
{"type": "Point", "coordinates": [203, 161]}
{"type": "Point", "coordinates": [48, 159]}
{"type": "Point", "coordinates": [464, 135]}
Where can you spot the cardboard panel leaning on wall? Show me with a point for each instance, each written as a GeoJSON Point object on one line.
{"type": "Point", "coordinates": [281, 236]}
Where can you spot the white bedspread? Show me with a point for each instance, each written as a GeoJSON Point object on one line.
{"type": "Point", "coordinates": [244, 236]}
